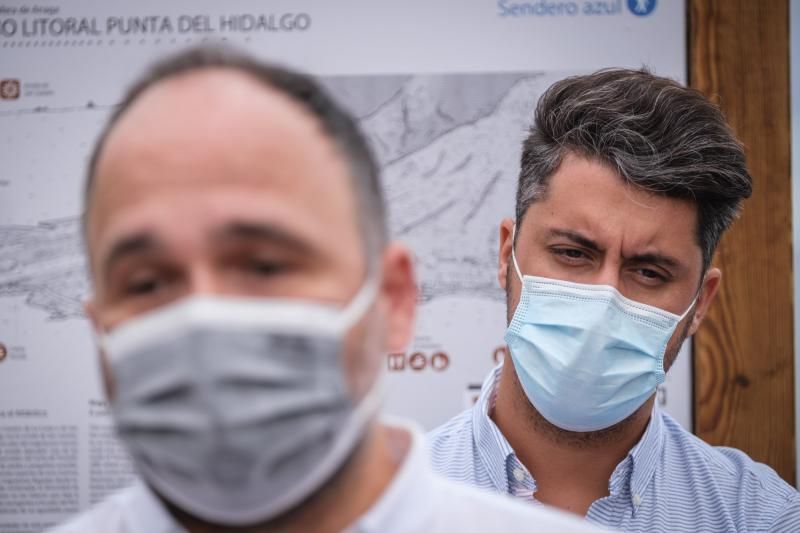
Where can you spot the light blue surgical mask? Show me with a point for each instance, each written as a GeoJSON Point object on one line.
{"type": "Point", "coordinates": [587, 357]}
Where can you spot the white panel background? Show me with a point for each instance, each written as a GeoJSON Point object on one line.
{"type": "Point", "coordinates": [42, 159]}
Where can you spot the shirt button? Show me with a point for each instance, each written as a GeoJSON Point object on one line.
{"type": "Point", "coordinates": [637, 500]}
{"type": "Point", "coordinates": [519, 475]}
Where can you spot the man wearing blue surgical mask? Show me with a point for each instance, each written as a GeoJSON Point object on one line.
{"type": "Point", "coordinates": [627, 182]}
{"type": "Point", "coordinates": [244, 295]}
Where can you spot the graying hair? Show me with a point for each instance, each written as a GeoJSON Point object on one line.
{"type": "Point", "coordinates": [335, 121]}
{"type": "Point", "coordinates": [657, 134]}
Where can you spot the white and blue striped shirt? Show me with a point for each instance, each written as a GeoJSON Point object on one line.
{"type": "Point", "coordinates": [670, 481]}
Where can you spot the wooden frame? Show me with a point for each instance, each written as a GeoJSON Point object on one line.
{"type": "Point", "coordinates": [744, 352]}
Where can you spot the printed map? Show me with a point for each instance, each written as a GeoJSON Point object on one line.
{"type": "Point", "coordinates": [448, 146]}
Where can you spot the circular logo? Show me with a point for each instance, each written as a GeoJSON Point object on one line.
{"type": "Point", "coordinates": [642, 8]}
{"type": "Point", "coordinates": [3, 351]}
{"type": "Point", "coordinates": [9, 89]}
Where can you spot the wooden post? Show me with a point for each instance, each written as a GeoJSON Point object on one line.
{"type": "Point", "coordinates": [744, 356]}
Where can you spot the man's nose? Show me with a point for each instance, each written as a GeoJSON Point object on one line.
{"type": "Point", "coordinates": [204, 280]}
{"type": "Point", "coordinates": [608, 274]}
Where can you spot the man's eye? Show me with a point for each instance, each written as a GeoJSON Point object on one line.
{"type": "Point", "coordinates": [140, 287]}
{"type": "Point", "coordinates": [651, 275]}
{"type": "Point", "coordinates": [569, 253]}
{"type": "Point", "coordinates": [265, 268]}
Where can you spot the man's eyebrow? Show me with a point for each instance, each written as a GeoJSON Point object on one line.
{"type": "Point", "coordinates": [263, 232]}
{"type": "Point", "coordinates": [656, 258]}
{"type": "Point", "coordinates": [130, 245]}
{"type": "Point", "coordinates": [575, 237]}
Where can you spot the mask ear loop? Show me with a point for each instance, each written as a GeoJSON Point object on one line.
{"type": "Point", "coordinates": [694, 300]}
{"type": "Point", "coordinates": [360, 303]}
{"type": "Point", "coordinates": [514, 255]}
{"type": "Point", "coordinates": [691, 306]}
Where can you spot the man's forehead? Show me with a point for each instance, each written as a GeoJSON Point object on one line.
{"type": "Point", "coordinates": [589, 183]}
{"type": "Point", "coordinates": [211, 102]}
{"type": "Point", "coordinates": [225, 130]}
{"type": "Point", "coordinates": [217, 124]}
{"type": "Point", "coordinates": [592, 199]}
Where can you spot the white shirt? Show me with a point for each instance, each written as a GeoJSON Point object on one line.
{"type": "Point", "coordinates": [416, 500]}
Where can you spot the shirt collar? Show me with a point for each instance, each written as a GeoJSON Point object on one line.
{"type": "Point", "coordinates": [493, 449]}
{"type": "Point", "coordinates": [645, 455]}
{"type": "Point", "coordinates": [633, 473]}
{"type": "Point", "coordinates": [411, 488]}
{"type": "Point", "coordinates": [145, 512]}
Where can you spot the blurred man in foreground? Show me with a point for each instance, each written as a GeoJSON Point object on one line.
{"type": "Point", "coordinates": [244, 296]}
{"type": "Point", "coordinates": [627, 182]}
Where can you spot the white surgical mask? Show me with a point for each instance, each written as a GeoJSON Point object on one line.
{"type": "Point", "coordinates": [586, 356]}
{"type": "Point", "coordinates": [236, 410]}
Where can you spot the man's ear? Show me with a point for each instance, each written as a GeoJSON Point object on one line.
{"type": "Point", "coordinates": [504, 254]}
{"type": "Point", "coordinates": [90, 308]}
{"type": "Point", "coordinates": [399, 293]}
{"type": "Point", "coordinates": [707, 293]}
